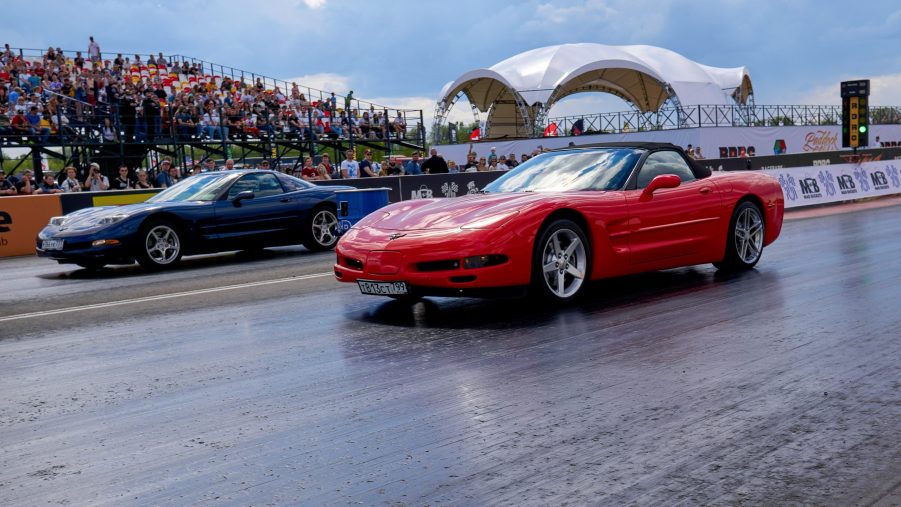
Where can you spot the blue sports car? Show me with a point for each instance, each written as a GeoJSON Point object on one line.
{"type": "Point", "coordinates": [209, 212]}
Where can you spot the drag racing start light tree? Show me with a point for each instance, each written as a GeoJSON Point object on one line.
{"type": "Point", "coordinates": [855, 113]}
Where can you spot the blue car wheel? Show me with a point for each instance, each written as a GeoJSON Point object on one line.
{"type": "Point", "coordinates": [160, 245]}
{"type": "Point", "coordinates": [322, 229]}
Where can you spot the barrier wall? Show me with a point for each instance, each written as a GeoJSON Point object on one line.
{"type": "Point", "coordinates": [827, 179]}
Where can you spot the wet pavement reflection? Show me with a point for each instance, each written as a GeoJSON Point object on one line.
{"type": "Point", "coordinates": [774, 386]}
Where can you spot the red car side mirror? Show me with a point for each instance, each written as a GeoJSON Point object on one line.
{"type": "Point", "coordinates": [661, 181]}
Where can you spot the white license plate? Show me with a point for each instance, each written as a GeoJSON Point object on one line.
{"type": "Point", "coordinates": [52, 244]}
{"type": "Point", "coordinates": [382, 288]}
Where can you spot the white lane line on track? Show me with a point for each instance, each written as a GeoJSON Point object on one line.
{"type": "Point", "coordinates": [163, 296]}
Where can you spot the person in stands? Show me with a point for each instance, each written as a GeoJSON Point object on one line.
{"type": "Point", "coordinates": [164, 178]}
{"type": "Point", "coordinates": [96, 181]}
{"type": "Point", "coordinates": [413, 166]}
{"type": "Point", "coordinates": [143, 182]}
{"type": "Point", "coordinates": [71, 183]}
{"type": "Point", "coordinates": [6, 186]}
{"type": "Point", "coordinates": [26, 185]}
{"type": "Point", "coordinates": [349, 167]}
{"type": "Point", "coordinates": [435, 164]}
{"type": "Point", "coordinates": [49, 185]}
{"type": "Point", "coordinates": [367, 169]}
{"type": "Point", "coordinates": [325, 169]}
{"type": "Point", "coordinates": [122, 181]}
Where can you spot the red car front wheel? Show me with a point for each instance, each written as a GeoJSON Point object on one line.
{"type": "Point", "coordinates": [561, 261]}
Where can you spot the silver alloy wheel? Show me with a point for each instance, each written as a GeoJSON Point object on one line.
{"type": "Point", "coordinates": [749, 235]}
{"type": "Point", "coordinates": [564, 263]}
{"type": "Point", "coordinates": [325, 225]}
{"type": "Point", "coordinates": [162, 245]}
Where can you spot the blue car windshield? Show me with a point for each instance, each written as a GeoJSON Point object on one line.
{"type": "Point", "coordinates": [200, 187]}
{"type": "Point", "coordinates": [570, 170]}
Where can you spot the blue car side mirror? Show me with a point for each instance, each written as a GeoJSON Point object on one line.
{"type": "Point", "coordinates": [247, 194]}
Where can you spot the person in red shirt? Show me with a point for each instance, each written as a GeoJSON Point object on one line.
{"type": "Point", "coordinates": [308, 172]}
{"type": "Point", "coordinates": [20, 124]}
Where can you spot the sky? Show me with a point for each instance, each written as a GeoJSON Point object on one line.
{"type": "Point", "coordinates": [401, 52]}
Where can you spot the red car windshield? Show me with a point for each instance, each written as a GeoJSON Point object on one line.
{"type": "Point", "coordinates": [570, 170]}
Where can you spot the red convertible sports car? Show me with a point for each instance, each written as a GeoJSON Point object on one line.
{"type": "Point", "coordinates": [564, 218]}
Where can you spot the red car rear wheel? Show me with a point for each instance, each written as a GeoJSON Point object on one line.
{"type": "Point", "coordinates": [744, 244]}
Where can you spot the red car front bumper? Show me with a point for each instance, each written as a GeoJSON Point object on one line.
{"type": "Point", "coordinates": [432, 261]}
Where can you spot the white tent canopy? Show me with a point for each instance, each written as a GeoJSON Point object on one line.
{"type": "Point", "coordinates": [515, 90]}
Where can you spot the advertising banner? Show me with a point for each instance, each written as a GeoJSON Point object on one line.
{"type": "Point", "coordinates": [805, 186]}
{"type": "Point", "coordinates": [21, 218]}
{"type": "Point", "coordinates": [715, 142]}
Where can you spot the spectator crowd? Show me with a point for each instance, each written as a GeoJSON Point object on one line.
{"type": "Point", "coordinates": [60, 97]}
{"type": "Point", "coordinates": [167, 174]}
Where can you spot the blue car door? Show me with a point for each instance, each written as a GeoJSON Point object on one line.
{"type": "Point", "coordinates": [264, 219]}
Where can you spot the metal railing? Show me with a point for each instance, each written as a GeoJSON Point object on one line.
{"type": "Point", "coordinates": [671, 118]}
{"type": "Point", "coordinates": [714, 116]}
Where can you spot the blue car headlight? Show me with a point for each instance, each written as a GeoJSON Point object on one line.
{"type": "Point", "coordinates": [58, 221]}
{"type": "Point", "coordinates": [112, 219]}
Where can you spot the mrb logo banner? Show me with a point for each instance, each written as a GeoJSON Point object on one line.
{"type": "Point", "coordinates": [810, 189]}
{"type": "Point", "coordinates": [879, 179]}
{"type": "Point", "coordinates": [846, 184]}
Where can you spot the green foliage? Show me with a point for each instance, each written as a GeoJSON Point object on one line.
{"type": "Point", "coordinates": [775, 121]}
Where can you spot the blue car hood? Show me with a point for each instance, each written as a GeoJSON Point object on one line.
{"type": "Point", "coordinates": [89, 218]}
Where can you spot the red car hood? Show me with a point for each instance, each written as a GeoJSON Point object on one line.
{"type": "Point", "coordinates": [480, 211]}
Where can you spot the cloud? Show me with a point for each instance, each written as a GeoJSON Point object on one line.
{"type": "Point", "coordinates": [595, 9]}
{"type": "Point", "coordinates": [314, 4]}
{"type": "Point", "coordinates": [885, 90]}
{"type": "Point", "coordinates": [327, 82]}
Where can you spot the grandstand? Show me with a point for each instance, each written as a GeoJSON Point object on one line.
{"type": "Point", "coordinates": [134, 110]}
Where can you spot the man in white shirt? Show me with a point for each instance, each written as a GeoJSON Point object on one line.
{"type": "Point", "coordinates": [349, 167]}
{"type": "Point", "coordinates": [93, 50]}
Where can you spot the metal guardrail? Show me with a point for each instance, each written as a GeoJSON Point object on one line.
{"type": "Point", "coordinates": [671, 118]}
{"type": "Point", "coordinates": [715, 116]}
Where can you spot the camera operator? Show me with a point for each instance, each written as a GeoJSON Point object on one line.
{"type": "Point", "coordinates": [96, 181]}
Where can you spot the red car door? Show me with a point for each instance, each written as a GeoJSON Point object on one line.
{"type": "Point", "coordinates": [672, 226]}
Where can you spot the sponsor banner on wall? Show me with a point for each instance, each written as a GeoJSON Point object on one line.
{"type": "Point", "coordinates": [796, 160]}
{"type": "Point", "coordinates": [806, 186]}
{"type": "Point", "coordinates": [739, 142]}
{"type": "Point", "coordinates": [445, 185]}
{"type": "Point", "coordinates": [21, 218]}
{"type": "Point", "coordinates": [425, 186]}
{"type": "Point", "coordinates": [715, 142]}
